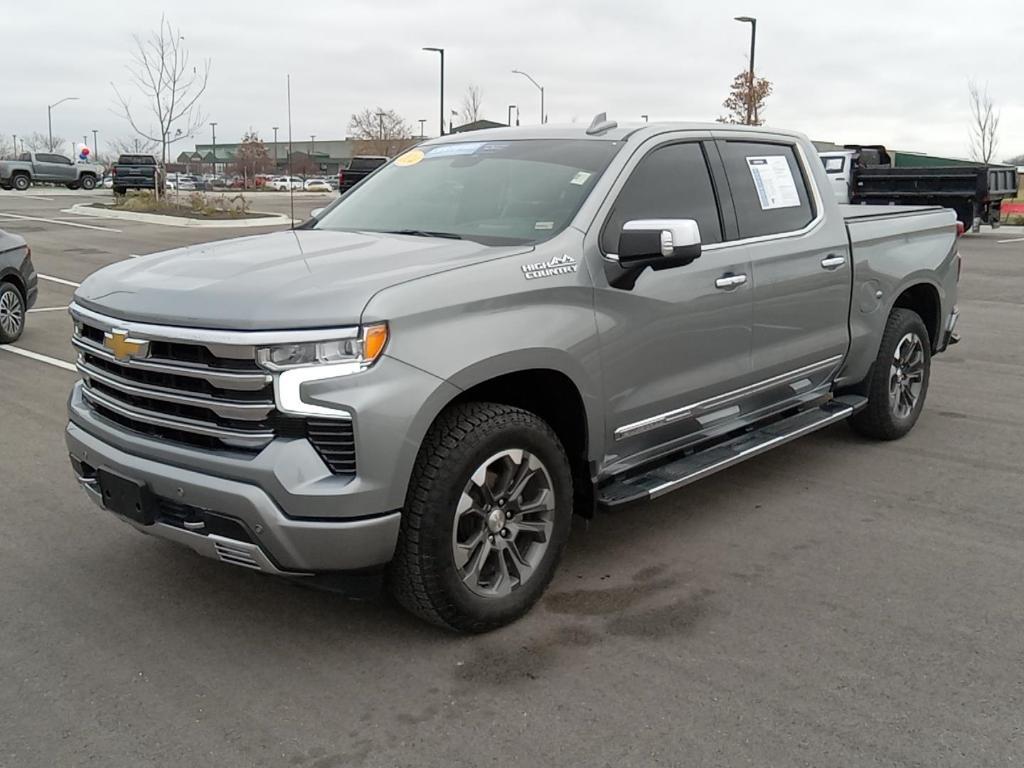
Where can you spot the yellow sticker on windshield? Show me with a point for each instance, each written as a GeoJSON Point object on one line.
{"type": "Point", "coordinates": [411, 157]}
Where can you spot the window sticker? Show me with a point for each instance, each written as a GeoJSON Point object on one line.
{"type": "Point", "coordinates": [544, 225]}
{"type": "Point", "coordinates": [411, 157]}
{"type": "Point", "coordinates": [580, 178]}
{"type": "Point", "coordinates": [451, 150]}
{"type": "Point", "coordinates": [774, 182]}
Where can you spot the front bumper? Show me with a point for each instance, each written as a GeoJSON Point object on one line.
{"type": "Point", "coordinates": [235, 522]}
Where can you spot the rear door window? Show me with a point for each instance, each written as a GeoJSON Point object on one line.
{"type": "Point", "coordinates": [768, 187]}
{"type": "Point", "coordinates": [671, 182]}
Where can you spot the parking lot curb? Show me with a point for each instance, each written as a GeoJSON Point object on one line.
{"type": "Point", "coordinates": [265, 220]}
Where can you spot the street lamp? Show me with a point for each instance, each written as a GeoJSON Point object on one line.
{"type": "Point", "coordinates": [421, 122]}
{"type": "Point", "coordinates": [49, 119]}
{"type": "Point", "coordinates": [213, 127]}
{"type": "Point", "coordinates": [644, 117]}
{"type": "Point", "coordinates": [440, 51]}
{"type": "Point", "coordinates": [274, 129]}
{"type": "Point", "coordinates": [312, 144]}
{"type": "Point", "coordinates": [510, 108]}
{"type": "Point", "coordinates": [543, 118]}
{"type": "Point", "coordinates": [95, 146]}
{"type": "Point", "coordinates": [751, 106]}
{"type": "Point", "coordinates": [451, 121]}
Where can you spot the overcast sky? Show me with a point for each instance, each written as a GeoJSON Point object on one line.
{"type": "Point", "coordinates": [868, 72]}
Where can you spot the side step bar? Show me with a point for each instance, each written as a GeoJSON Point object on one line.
{"type": "Point", "coordinates": [669, 477]}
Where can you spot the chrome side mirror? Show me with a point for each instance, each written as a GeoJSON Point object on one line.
{"type": "Point", "coordinates": [659, 243]}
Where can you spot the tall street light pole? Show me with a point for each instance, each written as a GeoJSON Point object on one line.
{"type": "Point", "coordinates": [49, 118]}
{"type": "Point", "coordinates": [543, 117]}
{"type": "Point", "coordinates": [274, 129]}
{"type": "Point", "coordinates": [510, 108]}
{"type": "Point", "coordinates": [95, 146]}
{"type": "Point", "coordinates": [421, 122]}
{"type": "Point", "coordinates": [751, 105]}
{"type": "Point", "coordinates": [213, 127]}
{"type": "Point", "coordinates": [440, 51]}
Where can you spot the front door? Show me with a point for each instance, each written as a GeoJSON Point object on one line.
{"type": "Point", "coordinates": [678, 337]}
{"type": "Point", "coordinates": [800, 260]}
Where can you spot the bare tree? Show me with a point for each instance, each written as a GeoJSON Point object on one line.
{"type": "Point", "coordinates": [252, 157]}
{"type": "Point", "coordinates": [134, 146]}
{"type": "Point", "coordinates": [40, 142]}
{"type": "Point", "coordinates": [472, 101]}
{"type": "Point", "coordinates": [984, 123]}
{"type": "Point", "coordinates": [739, 99]}
{"type": "Point", "coordinates": [170, 87]}
{"type": "Point", "coordinates": [7, 150]}
{"type": "Point", "coordinates": [380, 131]}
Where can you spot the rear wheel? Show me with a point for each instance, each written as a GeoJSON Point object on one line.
{"type": "Point", "coordinates": [120, 190]}
{"type": "Point", "coordinates": [12, 313]}
{"type": "Point", "coordinates": [486, 519]}
{"type": "Point", "coordinates": [21, 182]}
{"type": "Point", "coordinates": [899, 378]}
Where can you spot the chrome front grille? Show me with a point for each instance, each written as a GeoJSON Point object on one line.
{"type": "Point", "coordinates": [194, 386]}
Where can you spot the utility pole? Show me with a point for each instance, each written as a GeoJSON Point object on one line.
{"type": "Point", "coordinates": [751, 103]}
{"type": "Point", "coordinates": [440, 51]}
{"type": "Point", "coordinates": [15, 137]}
{"type": "Point", "coordinates": [274, 129]}
{"type": "Point", "coordinates": [95, 145]}
{"type": "Point", "coordinates": [213, 127]}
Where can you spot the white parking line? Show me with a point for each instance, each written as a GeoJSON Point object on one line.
{"type": "Point", "coordinates": [48, 309]}
{"type": "Point", "coordinates": [1014, 240]}
{"type": "Point", "coordinates": [41, 358]}
{"type": "Point", "coordinates": [59, 221]}
{"type": "Point", "coordinates": [60, 280]}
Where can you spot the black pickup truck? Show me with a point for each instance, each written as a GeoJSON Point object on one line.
{"type": "Point", "coordinates": [136, 172]}
{"type": "Point", "coordinates": [358, 168]}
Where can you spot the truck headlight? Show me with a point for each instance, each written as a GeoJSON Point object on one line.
{"type": "Point", "coordinates": [361, 351]}
{"type": "Point", "coordinates": [296, 364]}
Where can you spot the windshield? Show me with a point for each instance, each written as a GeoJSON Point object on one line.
{"type": "Point", "coordinates": [493, 192]}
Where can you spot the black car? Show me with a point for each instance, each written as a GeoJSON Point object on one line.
{"type": "Point", "coordinates": [18, 289]}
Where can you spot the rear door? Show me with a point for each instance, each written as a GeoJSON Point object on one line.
{"type": "Point", "coordinates": [800, 262]}
{"type": "Point", "coordinates": [678, 338]}
{"type": "Point", "coordinates": [51, 167]}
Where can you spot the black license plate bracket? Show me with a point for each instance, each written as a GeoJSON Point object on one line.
{"type": "Point", "coordinates": [127, 497]}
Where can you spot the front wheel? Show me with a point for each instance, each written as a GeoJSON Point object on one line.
{"type": "Point", "coordinates": [88, 182]}
{"type": "Point", "coordinates": [487, 516]}
{"type": "Point", "coordinates": [899, 379]}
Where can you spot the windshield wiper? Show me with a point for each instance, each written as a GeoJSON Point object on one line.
{"type": "Point", "coordinates": [423, 233]}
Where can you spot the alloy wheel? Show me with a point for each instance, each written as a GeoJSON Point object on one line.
{"type": "Point", "coordinates": [12, 313]}
{"type": "Point", "coordinates": [906, 375]}
{"type": "Point", "coordinates": [503, 523]}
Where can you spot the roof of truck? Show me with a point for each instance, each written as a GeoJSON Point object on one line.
{"type": "Point", "coordinates": [621, 132]}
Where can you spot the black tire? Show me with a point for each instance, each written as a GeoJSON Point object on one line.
{"type": "Point", "coordinates": [424, 576]}
{"type": "Point", "coordinates": [88, 181]}
{"type": "Point", "coordinates": [889, 415]}
{"type": "Point", "coordinates": [72, 185]}
{"type": "Point", "coordinates": [21, 182]}
{"type": "Point", "coordinates": [12, 313]}
{"type": "Point", "coordinates": [120, 190]}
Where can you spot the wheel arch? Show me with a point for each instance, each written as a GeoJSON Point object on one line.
{"type": "Point", "coordinates": [12, 276]}
{"type": "Point", "coordinates": [923, 298]}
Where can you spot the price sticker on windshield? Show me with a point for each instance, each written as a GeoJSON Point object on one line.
{"type": "Point", "coordinates": [774, 182]}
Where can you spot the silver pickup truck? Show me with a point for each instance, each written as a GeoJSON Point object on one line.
{"type": "Point", "coordinates": [32, 167]}
{"type": "Point", "coordinates": [494, 331]}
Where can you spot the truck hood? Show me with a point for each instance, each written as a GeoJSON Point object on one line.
{"type": "Point", "coordinates": [294, 279]}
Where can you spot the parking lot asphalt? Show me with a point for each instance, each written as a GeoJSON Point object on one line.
{"type": "Point", "coordinates": [836, 602]}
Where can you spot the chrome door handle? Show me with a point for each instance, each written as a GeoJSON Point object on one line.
{"type": "Point", "coordinates": [730, 281]}
{"type": "Point", "coordinates": [833, 262]}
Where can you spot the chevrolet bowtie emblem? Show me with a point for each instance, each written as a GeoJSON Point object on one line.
{"type": "Point", "coordinates": [123, 347]}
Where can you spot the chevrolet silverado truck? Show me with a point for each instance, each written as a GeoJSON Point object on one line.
{"type": "Point", "coordinates": [429, 377]}
{"type": "Point", "coordinates": [135, 171]}
{"type": "Point", "coordinates": [32, 167]}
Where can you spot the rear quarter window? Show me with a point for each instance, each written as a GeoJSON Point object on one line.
{"type": "Point", "coordinates": [137, 160]}
{"type": "Point", "coordinates": [769, 188]}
